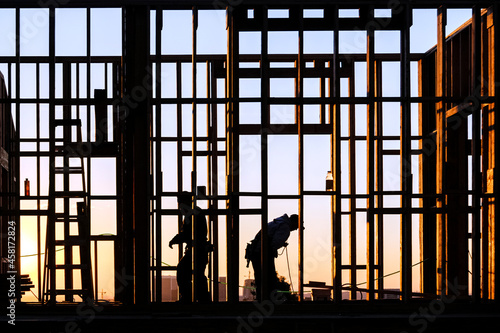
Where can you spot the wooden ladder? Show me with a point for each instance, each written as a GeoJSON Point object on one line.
{"type": "Point", "coordinates": [61, 220]}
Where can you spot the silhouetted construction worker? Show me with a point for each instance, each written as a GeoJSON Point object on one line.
{"type": "Point", "coordinates": [201, 248]}
{"type": "Point", "coordinates": [278, 232]}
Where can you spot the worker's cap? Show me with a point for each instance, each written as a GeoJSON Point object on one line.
{"type": "Point", "coordinates": [184, 197]}
{"type": "Point", "coordinates": [294, 222]}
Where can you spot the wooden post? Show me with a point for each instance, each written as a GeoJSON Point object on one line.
{"type": "Point", "coordinates": [476, 152]}
{"type": "Point", "coordinates": [300, 120]}
{"type": "Point", "coordinates": [136, 36]}
{"type": "Point", "coordinates": [194, 155]}
{"type": "Point", "coordinates": [68, 250]}
{"type": "Point", "coordinates": [159, 173]}
{"type": "Point", "coordinates": [495, 284]}
{"type": "Point", "coordinates": [232, 148]}
{"type": "Point", "coordinates": [485, 152]}
{"type": "Point", "coordinates": [336, 168]}
{"type": "Point", "coordinates": [370, 161]}
{"type": "Point", "coordinates": [264, 123]}
{"type": "Point", "coordinates": [427, 174]}
{"type": "Point", "coordinates": [213, 181]}
{"type": "Point", "coordinates": [379, 181]}
{"type": "Point", "coordinates": [352, 189]}
{"type": "Point", "coordinates": [440, 153]}
{"type": "Point", "coordinates": [406, 168]}
{"type": "Point", "coordinates": [51, 229]}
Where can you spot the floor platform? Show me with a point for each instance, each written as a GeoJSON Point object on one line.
{"type": "Point", "coordinates": [359, 316]}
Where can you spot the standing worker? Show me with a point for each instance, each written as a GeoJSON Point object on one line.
{"type": "Point", "coordinates": [201, 248]}
{"type": "Point", "coordinates": [278, 232]}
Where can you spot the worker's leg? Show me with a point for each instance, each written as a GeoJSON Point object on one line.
{"type": "Point", "coordinates": [202, 293]}
{"type": "Point", "coordinates": [184, 277]}
{"type": "Point", "coordinates": [257, 272]}
{"type": "Point", "coordinates": [273, 278]}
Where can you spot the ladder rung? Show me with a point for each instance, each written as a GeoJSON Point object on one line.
{"type": "Point", "coordinates": [68, 170]}
{"type": "Point", "coordinates": [71, 219]}
{"type": "Point", "coordinates": [72, 240]}
{"type": "Point", "coordinates": [60, 217]}
{"type": "Point", "coordinates": [72, 266]}
{"type": "Point", "coordinates": [75, 149]}
{"type": "Point", "coordinates": [70, 194]}
{"type": "Point", "coordinates": [68, 122]}
{"type": "Point", "coordinates": [26, 287]}
{"type": "Point", "coordinates": [69, 291]}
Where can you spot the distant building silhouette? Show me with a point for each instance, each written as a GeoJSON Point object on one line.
{"type": "Point", "coordinates": [247, 291]}
{"type": "Point", "coordinates": [170, 291]}
{"type": "Point", "coordinates": [391, 296]}
{"type": "Point", "coordinates": [222, 289]}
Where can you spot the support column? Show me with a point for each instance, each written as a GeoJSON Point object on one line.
{"type": "Point", "coordinates": [213, 184]}
{"type": "Point", "coordinates": [406, 175]}
{"type": "Point", "coordinates": [300, 120]}
{"type": "Point", "coordinates": [352, 190]}
{"type": "Point", "coordinates": [456, 220]}
{"type": "Point", "coordinates": [159, 174]}
{"type": "Point", "coordinates": [440, 152]}
{"type": "Point", "coordinates": [51, 228]}
{"type": "Point", "coordinates": [485, 129]}
{"type": "Point", "coordinates": [476, 152]}
{"type": "Point", "coordinates": [379, 180]}
{"type": "Point", "coordinates": [194, 141]}
{"type": "Point", "coordinates": [137, 92]}
{"type": "Point", "coordinates": [68, 250]}
{"type": "Point", "coordinates": [264, 93]}
{"type": "Point", "coordinates": [427, 174]}
{"type": "Point", "coordinates": [370, 160]}
{"type": "Point", "coordinates": [232, 163]}
{"type": "Point", "coordinates": [336, 166]}
{"type": "Point", "coordinates": [495, 259]}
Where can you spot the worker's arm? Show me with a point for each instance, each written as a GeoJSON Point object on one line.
{"type": "Point", "coordinates": [175, 240]}
{"type": "Point", "coordinates": [184, 236]}
{"type": "Point", "coordinates": [279, 238]}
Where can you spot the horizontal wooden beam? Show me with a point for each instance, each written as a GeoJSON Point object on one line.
{"type": "Point", "coordinates": [463, 109]}
{"type": "Point", "coordinates": [221, 4]}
